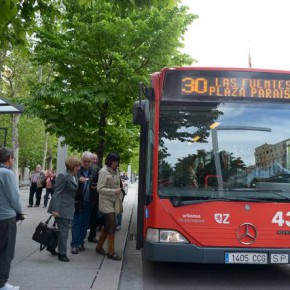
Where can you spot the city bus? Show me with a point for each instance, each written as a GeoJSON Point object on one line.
{"type": "Point", "coordinates": [214, 172]}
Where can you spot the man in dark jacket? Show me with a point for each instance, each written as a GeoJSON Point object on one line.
{"type": "Point", "coordinates": [94, 199]}
{"type": "Point", "coordinates": [82, 205]}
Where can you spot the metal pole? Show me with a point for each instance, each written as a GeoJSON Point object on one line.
{"type": "Point", "coordinates": [61, 155]}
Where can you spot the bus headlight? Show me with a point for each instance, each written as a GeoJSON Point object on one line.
{"type": "Point", "coordinates": [165, 236]}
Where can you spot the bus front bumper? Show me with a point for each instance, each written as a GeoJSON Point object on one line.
{"type": "Point", "coordinates": [189, 253]}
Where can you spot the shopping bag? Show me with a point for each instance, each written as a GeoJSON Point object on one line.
{"type": "Point", "coordinates": [46, 236]}
{"type": "Point", "coordinates": [118, 205]}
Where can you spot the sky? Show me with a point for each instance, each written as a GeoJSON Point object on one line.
{"type": "Point", "coordinates": [227, 30]}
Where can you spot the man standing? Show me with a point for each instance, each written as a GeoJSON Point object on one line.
{"type": "Point", "coordinates": [94, 199]}
{"type": "Point", "coordinates": [37, 180]}
{"type": "Point", "coordinates": [82, 205]}
{"type": "Point", "coordinates": [10, 207]}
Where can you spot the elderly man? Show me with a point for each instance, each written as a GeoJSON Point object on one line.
{"type": "Point", "coordinates": [10, 207]}
{"type": "Point", "coordinates": [82, 205]}
{"type": "Point", "coordinates": [37, 180]}
{"type": "Point", "coordinates": [94, 199]}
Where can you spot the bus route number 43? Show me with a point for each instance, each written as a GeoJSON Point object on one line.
{"type": "Point", "coordinates": [279, 219]}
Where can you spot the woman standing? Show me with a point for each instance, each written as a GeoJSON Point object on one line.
{"type": "Point", "coordinates": [62, 203]}
{"type": "Point", "coordinates": [48, 186]}
{"type": "Point", "coordinates": [109, 191]}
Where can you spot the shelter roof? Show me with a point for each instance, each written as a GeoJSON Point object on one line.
{"type": "Point", "coordinates": [7, 107]}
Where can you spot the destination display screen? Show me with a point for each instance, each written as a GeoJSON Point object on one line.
{"type": "Point", "coordinates": [184, 84]}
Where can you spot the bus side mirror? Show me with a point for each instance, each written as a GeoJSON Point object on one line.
{"type": "Point", "coordinates": [141, 112]}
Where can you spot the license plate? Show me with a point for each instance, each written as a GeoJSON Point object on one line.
{"type": "Point", "coordinates": [279, 258]}
{"type": "Point", "coordinates": [246, 258]}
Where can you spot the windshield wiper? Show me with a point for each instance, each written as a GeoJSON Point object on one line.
{"type": "Point", "coordinates": [214, 199]}
{"type": "Point", "coordinates": [211, 199]}
{"type": "Point", "coordinates": [250, 190]}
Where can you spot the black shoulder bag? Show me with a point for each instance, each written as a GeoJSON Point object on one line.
{"type": "Point", "coordinates": [46, 236]}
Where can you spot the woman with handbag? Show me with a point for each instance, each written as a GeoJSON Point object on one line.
{"type": "Point", "coordinates": [62, 203]}
{"type": "Point", "coordinates": [110, 203]}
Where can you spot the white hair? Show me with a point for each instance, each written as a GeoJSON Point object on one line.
{"type": "Point", "coordinates": [87, 154]}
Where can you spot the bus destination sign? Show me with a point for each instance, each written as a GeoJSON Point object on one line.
{"type": "Point", "coordinates": [186, 83]}
{"type": "Point", "coordinates": [236, 87]}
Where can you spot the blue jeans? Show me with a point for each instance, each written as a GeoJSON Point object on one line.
{"type": "Point", "coordinates": [80, 225]}
{"type": "Point", "coordinates": [118, 219]}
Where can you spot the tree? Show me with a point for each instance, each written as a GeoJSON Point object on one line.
{"type": "Point", "coordinates": [99, 55]}
{"type": "Point", "coordinates": [19, 18]}
{"type": "Point", "coordinates": [17, 75]}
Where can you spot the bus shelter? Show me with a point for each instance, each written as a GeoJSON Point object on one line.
{"type": "Point", "coordinates": [7, 107]}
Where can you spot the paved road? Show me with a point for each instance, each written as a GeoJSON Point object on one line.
{"type": "Point", "coordinates": [173, 276]}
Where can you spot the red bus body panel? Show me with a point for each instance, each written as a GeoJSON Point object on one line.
{"type": "Point", "coordinates": [216, 224]}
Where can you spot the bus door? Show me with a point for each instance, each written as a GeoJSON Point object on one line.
{"type": "Point", "coordinates": [139, 118]}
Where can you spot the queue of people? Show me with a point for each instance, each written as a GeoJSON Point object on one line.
{"type": "Point", "coordinates": [83, 195]}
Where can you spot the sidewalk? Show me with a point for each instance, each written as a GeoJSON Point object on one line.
{"type": "Point", "coordinates": [35, 270]}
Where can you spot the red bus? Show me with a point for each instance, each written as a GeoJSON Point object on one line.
{"type": "Point", "coordinates": [214, 176]}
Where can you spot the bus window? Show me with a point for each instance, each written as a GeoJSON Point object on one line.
{"type": "Point", "coordinates": [204, 144]}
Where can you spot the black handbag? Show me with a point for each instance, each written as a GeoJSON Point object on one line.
{"type": "Point", "coordinates": [46, 236]}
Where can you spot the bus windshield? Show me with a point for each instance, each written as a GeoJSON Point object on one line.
{"type": "Point", "coordinates": [224, 151]}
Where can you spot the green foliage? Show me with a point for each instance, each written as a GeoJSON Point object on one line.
{"type": "Point", "coordinates": [16, 88]}
{"type": "Point", "coordinates": [99, 54]}
{"type": "Point", "coordinates": [31, 140]}
{"type": "Point", "coordinates": [5, 123]}
{"type": "Point", "coordinates": [19, 18]}
{"type": "Point", "coordinates": [133, 4]}
{"type": "Point", "coordinates": [92, 58]}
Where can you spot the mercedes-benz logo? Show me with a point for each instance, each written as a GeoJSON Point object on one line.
{"type": "Point", "coordinates": [247, 234]}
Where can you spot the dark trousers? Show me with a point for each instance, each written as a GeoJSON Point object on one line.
{"type": "Point", "coordinates": [93, 223]}
{"type": "Point", "coordinates": [37, 192]}
{"type": "Point", "coordinates": [49, 191]}
{"type": "Point", "coordinates": [7, 248]}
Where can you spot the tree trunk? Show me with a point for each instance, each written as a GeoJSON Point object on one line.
{"type": "Point", "coordinates": [49, 158]}
{"type": "Point", "coordinates": [45, 150]}
{"type": "Point", "coordinates": [102, 133]}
